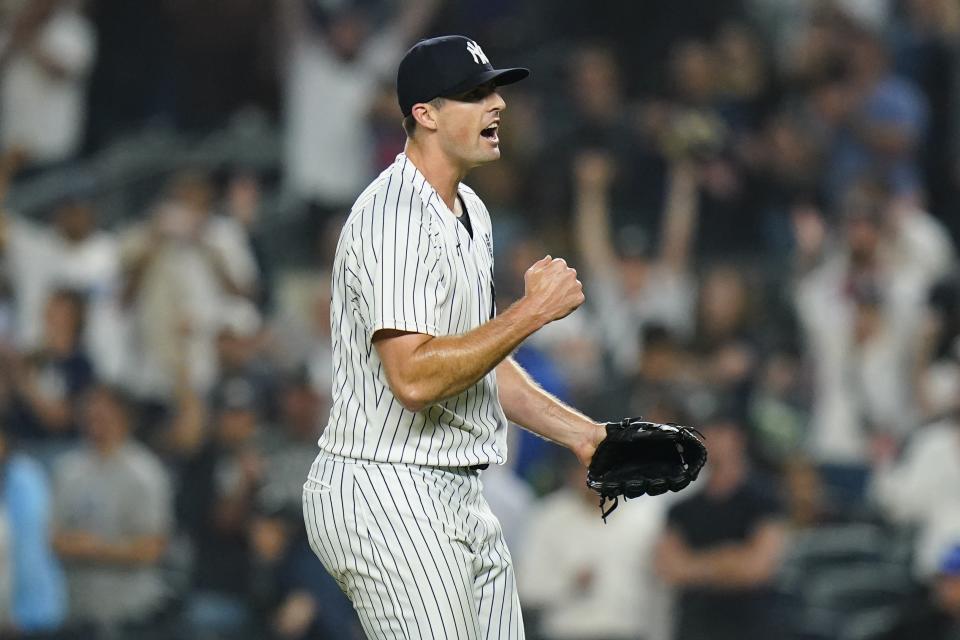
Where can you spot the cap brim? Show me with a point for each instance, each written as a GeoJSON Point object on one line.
{"type": "Point", "coordinates": [499, 76]}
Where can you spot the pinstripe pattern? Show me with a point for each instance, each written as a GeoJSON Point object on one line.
{"type": "Point", "coordinates": [403, 261]}
{"type": "Point", "coordinates": [415, 548]}
{"type": "Point", "coordinates": [391, 508]}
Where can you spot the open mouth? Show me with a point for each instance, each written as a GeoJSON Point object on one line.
{"type": "Point", "coordinates": [490, 133]}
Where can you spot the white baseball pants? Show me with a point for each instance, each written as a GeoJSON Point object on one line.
{"type": "Point", "coordinates": [416, 549]}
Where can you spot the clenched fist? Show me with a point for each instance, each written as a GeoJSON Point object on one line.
{"type": "Point", "coordinates": [552, 290]}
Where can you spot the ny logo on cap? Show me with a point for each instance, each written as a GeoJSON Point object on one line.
{"type": "Point", "coordinates": [478, 56]}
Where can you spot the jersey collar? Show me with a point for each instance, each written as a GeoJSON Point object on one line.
{"type": "Point", "coordinates": [428, 194]}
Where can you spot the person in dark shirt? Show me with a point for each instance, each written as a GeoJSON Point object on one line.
{"type": "Point", "coordinates": [49, 381]}
{"type": "Point", "coordinates": [216, 504]}
{"type": "Point", "coordinates": [722, 547]}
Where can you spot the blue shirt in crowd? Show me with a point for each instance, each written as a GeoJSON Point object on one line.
{"type": "Point", "coordinates": [38, 598]}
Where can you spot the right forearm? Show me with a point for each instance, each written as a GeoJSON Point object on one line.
{"type": "Point", "coordinates": [423, 370]}
{"type": "Point", "coordinates": [415, 17]}
{"type": "Point", "coordinates": [593, 176]}
{"type": "Point", "coordinates": [680, 216]}
{"type": "Point", "coordinates": [592, 220]}
{"type": "Point", "coordinates": [445, 366]}
{"type": "Point", "coordinates": [133, 278]}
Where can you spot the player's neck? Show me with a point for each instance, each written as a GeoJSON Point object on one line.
{"type": "Point", "coordinates": [442, 174]}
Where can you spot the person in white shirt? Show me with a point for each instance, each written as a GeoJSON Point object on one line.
{"type": "Point", "coordinates": [47, 51]}
{"type": "Point", "coordinates": [918, 489]}
{"type": "Point", "coordinates": [860, 306]}
{"type": "Point", "coordinates": [181, 268]}
{"type": "Point", "coordinates": [634, 286]}
{"type": "Point", "coordinates": [331, 78]}
{"type": "Point", "coordinates": [582, 591]}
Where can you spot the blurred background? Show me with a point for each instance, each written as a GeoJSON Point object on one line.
{"type": "Point", "coordinates": [760, 196]}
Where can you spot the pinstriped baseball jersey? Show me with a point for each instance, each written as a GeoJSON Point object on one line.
{"type": "Point", "coordinates": [404, 261]}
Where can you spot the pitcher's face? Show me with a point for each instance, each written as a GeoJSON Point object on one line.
{"type": "Point", "coordinates": [469, 123]}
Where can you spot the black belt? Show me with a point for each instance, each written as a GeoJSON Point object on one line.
{"type": "Point", "coordinates": [478, 467]}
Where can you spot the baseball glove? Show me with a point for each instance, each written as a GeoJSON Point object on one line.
{"type": "Point", "coordinates": [638, 458]}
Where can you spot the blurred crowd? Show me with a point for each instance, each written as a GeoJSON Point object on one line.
{"type": "Point", "coordinates": [760, 197]}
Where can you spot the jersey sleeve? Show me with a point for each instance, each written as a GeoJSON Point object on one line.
{"type": "Point", "coordinates": [409, 283]}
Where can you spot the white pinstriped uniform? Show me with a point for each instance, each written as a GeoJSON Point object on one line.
{"type": "Point", "coordinates": [392, 504]}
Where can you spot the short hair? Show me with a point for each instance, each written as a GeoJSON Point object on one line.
{"type": "Point", "coordinates": [410, 123]}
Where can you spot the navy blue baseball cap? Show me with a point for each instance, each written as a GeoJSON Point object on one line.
{"type": "Point", "coordinates": [447, 66]}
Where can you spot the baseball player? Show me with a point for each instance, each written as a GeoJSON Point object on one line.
{"type": "Point", "coordinates": [424, 384]}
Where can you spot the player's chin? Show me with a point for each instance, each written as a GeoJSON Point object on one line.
{"type": "Point", "coordinates": [488, 151]}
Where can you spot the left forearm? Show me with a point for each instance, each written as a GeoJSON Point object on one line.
{"type": "Point", "coordinates": [141, 551]}
{"type": "Point", "coordinates": [529, 406]}
{"type": "Point", "coordinates": [84, 547]}
{"type": "Point", "coordinates": [751, 563]}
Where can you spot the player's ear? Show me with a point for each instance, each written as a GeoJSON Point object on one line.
{"type": "Point", "coordinates": [424, 114]}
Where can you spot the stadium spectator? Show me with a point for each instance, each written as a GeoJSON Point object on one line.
{"type": "Point", "coordinates": [655, 283]}
{"type": "Point", "coordinates": [243, 201]}
{"type": "Point", "coordinates": [921, 43]}
{"type": "Point", "coordinates": [85, 258]}
{"type": "Point", "coordinates": [582, 591]}
{"type": "Point", "coordinates": [47, 49]}
{"type": "Point", "coordinates": [300, 331]}
{"type": "Point", "coordinates": [48, 383]}
{"type": "Point", "coordinates": [216, 505]}
{"type": "Point", "coordinates": [665, 377]}
{"type": "Point", "coordinates": [908, 488]}
{"type": "Point", "coordinates": [287, 444]}
{"type": "Point", "coordinates": [300, 602]}
{"type": "Point", "coordinates": [744, 84]}
{"type": "Point", "coordinates": [240, 354]}
{"type": "Point", "coordinates": [777, 409]}
{"type": "Point", "coordinates": [335, 60]}
{"type": "Point", "coordinates": [597, 117]}
{"type": "Point", "coordinates": [180, 267]}
{"type": "Point", "coordinates": [32, 588]}
{"type": "Point", "coordinates": [860, 314]}
{"type": "Point", "coordinates": [112, 519]}
{"type": "Point", "coordinates": [722, 546]}
{"type": "Point", "coordinates": [69, 254]}
{"type": "Point", "coordinates": [783, 165]}
{"type": "Point", "coordinates": [874, 120]}
{"type": "Point", "coordinates": [726, 344]}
